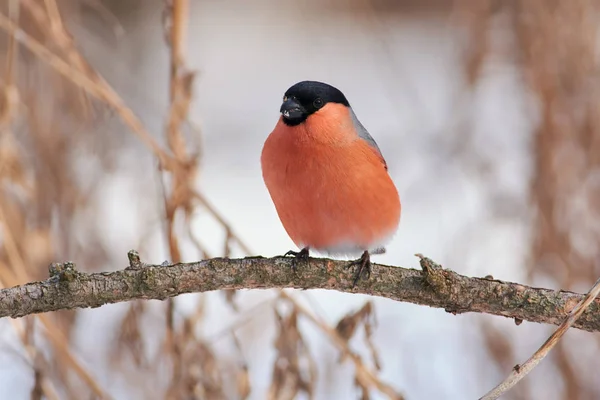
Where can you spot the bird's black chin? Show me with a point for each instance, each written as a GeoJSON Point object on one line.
{"type": "Point", "coordinates": [294, 120]}
{"type": "Point", "coordinates": [293, 113]}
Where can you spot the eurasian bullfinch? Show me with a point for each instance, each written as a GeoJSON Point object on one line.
{"type": "Point", "coordinates": [327, 177]}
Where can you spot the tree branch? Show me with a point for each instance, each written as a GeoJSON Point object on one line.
{"type": "Point", "coordinates": [432, 286]}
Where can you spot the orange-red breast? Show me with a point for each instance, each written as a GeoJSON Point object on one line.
{"type": "Point", "coordinates": [327, 177]}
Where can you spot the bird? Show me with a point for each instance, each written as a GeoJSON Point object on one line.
{"type": "Point", "coordinates": [328, 179]}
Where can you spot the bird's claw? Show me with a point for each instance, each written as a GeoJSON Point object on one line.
{"type": "Point", "coordinates": [363, 267]}
{"type": "Point", "coordinates": [302, 254]}
{"type": "Point", "coordinates": [298, 255]}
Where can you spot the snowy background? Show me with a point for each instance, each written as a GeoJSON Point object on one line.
{"type": "Point", "coordinates": [459, 153]}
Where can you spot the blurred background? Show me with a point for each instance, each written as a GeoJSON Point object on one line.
{"type": "Point", "coordinates": [138, 124]}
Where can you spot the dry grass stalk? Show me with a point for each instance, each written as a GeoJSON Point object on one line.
{"type": "Point", "coordinates": [364, 378]}
{"type": "Point", "coordinates": [26, 201]}
{"type": "Point", "coordinates": [85, 78]}
{"type": "Point", "coordinates": [294, 370]}
{"type": "Point", "coordinates": [243, 385]}
{"type": "Point", "coordinates": [183, 176]}
{"type": "Point", "coordinates": [555, 49]}
{"type": "Point", "coordinates": [520, 371]}
{"type": "Point", "coordinates": [199, 368]}
{"type": "Point", "coordinates": [475, 15]}
{"type": "Point", "coordinates": [53, 47]}
{"type": "Point", "coordinates": [348, 325]}
{"type": "Point", "coordinates": [558, 43]}
{"type": "Point", "coordinates": [182, 195]}
{"type": "Point", "coordinates": [57, 49]}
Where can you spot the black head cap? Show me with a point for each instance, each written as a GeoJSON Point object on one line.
{"type": "Point", "coordinates": [307, 97]}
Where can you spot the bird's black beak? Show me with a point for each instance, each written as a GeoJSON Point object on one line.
{"type": "Point", "coordinates": [291, 109]}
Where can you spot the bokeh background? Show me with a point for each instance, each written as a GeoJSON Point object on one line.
{"type": "Point", "coordinates": [126, 125]}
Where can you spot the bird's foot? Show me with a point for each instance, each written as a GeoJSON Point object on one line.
{"type": "Point", "coordinates": [298, 255]}
{"type": "Point", "coordinates": [302, 254]}
{"type": "Point", "coordinates": [364, 267]}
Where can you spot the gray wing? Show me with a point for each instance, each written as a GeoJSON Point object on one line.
{"type": "Point", "coordinates": [364, 134]}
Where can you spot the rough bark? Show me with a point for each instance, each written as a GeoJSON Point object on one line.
{"type": "Point", "coordinates": [432, 286]}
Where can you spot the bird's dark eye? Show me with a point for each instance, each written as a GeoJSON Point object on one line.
{"type": "Point", "coordinates": [318, 103]}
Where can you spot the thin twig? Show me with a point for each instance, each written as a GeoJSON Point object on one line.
{"type": "Point", "coordinates": [520, 371]}
{"type": "Point", "coordinates": [213, 211]}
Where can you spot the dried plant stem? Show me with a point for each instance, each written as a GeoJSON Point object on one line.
{"type": "Point", "coordinates": [211, 209]}
{"type": "Point", "coordinates": [11, 53]}
{"type": "Point", "coordinates": [94, 85]}
{"type": "Point", "coordinates": [55, 336]}
{"type": "Point", "coordinates": [362, 372]}
{"type": "Point", "coordinates": [433, 286]}
{"type": "Point", "coordinates": [53, 13]}
{"type": "Point", "coordinates": [180, 94]}
{"type": "Point", "coordinates": [519, 371]}
{"type": "Point", "coordinates": [176, 117]}
{"type": "Point", "coordinates": [60, 343]}
{"type": "Point", "coordinates": [179, 18]}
